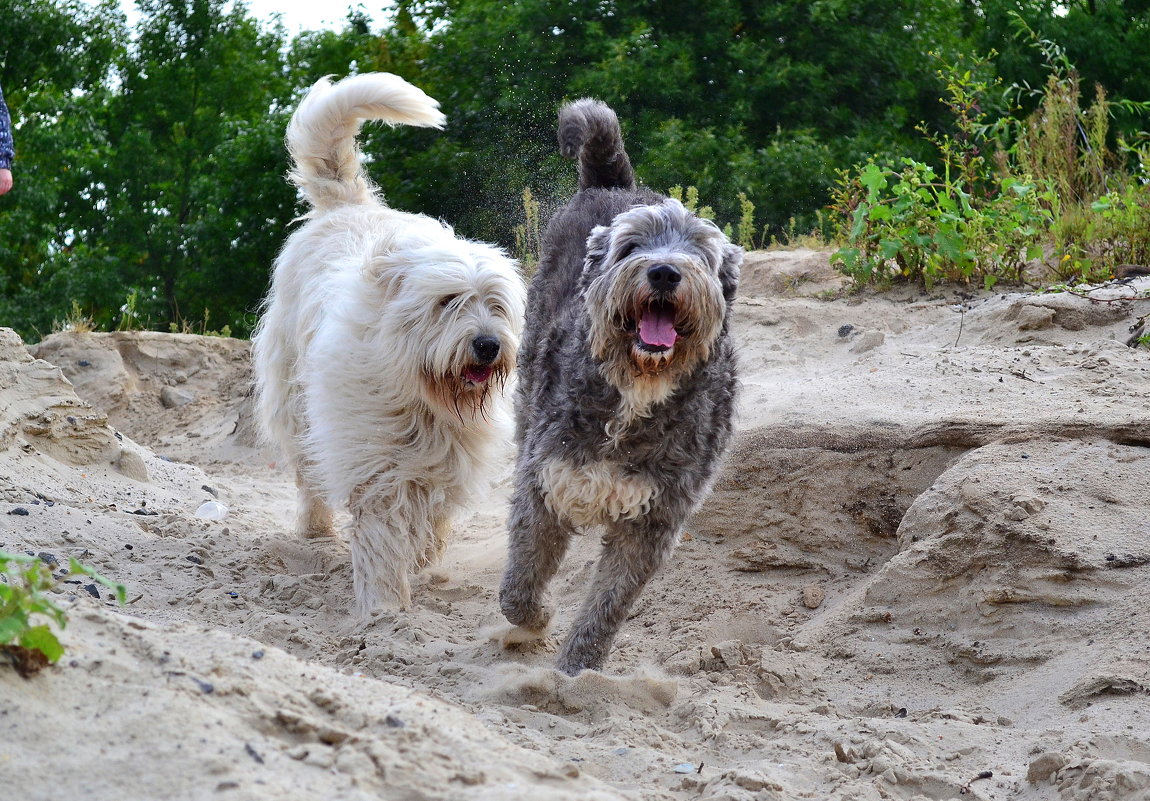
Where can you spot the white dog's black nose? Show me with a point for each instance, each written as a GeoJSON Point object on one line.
{"type": "Point", "coordinates": [663, 277]}
{"type": "Point", "coordinates": [486, 349]}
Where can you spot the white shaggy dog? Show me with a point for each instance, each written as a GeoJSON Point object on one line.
{"type": "Point", "coordinates": [383, 348]}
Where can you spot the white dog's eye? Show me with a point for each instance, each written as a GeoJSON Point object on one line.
{"type": "Point", "coordinates": [447, 300]}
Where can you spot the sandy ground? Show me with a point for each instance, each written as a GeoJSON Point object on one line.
{"type": "Point", "coordinates": [924, 574]}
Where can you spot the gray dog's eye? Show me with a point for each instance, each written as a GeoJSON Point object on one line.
{"type": "Point", "coordinates": [447, 300]}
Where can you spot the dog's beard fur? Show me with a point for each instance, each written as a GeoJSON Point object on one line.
{"type": "Point", "coordinates": [619, 297]}
{"type": "Point", "coordinates": [463, 396]}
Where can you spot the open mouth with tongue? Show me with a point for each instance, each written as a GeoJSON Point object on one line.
{"type": "Point", "coordinates": [477, 373]}
{"type": "Point", "coordinates": [657, 328]}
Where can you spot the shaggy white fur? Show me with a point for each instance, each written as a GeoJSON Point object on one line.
{"type": "Point", "coordinates": [595, 493]}
{"type": "Point", "coordinates": [383, 348]}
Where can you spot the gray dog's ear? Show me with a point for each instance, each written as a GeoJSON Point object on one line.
{"type": "Point", "coordinates": [598, 244]}
{"type": "Point", "coordinates": [729, 271]}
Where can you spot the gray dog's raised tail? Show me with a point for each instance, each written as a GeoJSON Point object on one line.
{"type": "Point", "coordinates": [589, 131]}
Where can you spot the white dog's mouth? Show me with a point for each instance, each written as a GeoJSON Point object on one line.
{"type": "Point", "coordinates": [465, 394]}
{"type": "Point", "coordinates": [478, 373]}
{"type": "Point", "coordinates": [655, 330]}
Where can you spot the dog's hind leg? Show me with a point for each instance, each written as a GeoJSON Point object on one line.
{"type": "Point", "coordinates": [632, 552]}
{"type": "Point", "coordinates": [437, 546]}
{"type": "Point", "coordinates": [389, 533]}
{"type": "Point", "coordinates": [314, 518]}
{"type": "Point", "coordinates": [538, 540]}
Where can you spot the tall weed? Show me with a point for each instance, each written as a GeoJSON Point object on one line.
{"type": "Point", "coordinates": [529, 235]}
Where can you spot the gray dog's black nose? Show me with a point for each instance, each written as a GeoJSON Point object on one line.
{"type": "Point", "coordinates": [486, 349]}
{"type": "Point", "coordinates": [663, 277]}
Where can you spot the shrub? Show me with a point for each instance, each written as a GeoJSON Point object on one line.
{"type": "Point", "coordinates": [982, 220]}
{"type": "Point", "coordinates": [915, 225]}
{"type": "Point", "coordinates": [1120, 233]}
{"type": "Point", "coordinates": [967, 222]}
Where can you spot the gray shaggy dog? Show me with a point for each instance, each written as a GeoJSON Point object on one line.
{"type": "Point", "coordinates": [626, 386]}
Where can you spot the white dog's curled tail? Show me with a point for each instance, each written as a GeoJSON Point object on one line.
{"type": "Point", "coordinates": [321, 137]}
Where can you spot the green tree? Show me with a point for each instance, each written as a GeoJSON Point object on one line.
{"type": "Point", "coordinates": [152, 165]}
{"type": "Point", "coordinates": [730, 95]}
{"type": "Point", "coordinates": [193, 203]}
{"type": "Point", "coordinates": [55, 60]}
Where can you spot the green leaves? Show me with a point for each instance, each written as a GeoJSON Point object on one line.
{"type": "Point", "coordinates": [16, 623]}
{"type": "Point", "coordinates": [1120, 228]}
{"type": "Point", "coordinates": [26, 584]}
{"type": "Point", "coordinates": [910, 224]}
{"type": "Point", "coordinates": [966, 222]}
{"type": "Point", "coordinates": [40, 638]}
{"type": "Point", "coordinates": [873, 180]}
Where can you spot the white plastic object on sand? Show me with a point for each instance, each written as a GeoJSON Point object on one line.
{"type": "Point", "coordinates": [212, 510]}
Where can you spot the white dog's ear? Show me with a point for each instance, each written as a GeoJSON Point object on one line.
{"type": "Point", "coordinates": [729, 271]}
{"type": "Point", "coordinates": [386, 265]}
{"type": "Point", "coordinates": [392, 283]}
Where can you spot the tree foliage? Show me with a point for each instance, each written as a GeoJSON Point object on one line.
{"type": "Point", "coordinates": [191, 191]}
{"type": "Point", "coordinates": [55, 68]}
{"type": "Point", "coordinates": [729, 95]}
{"type": "Point", "coordinates": [150, 162]}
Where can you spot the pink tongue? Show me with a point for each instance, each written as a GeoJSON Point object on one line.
{"type": "Point", "coordinates": [477, 374]}
{"type": "Point", "coordinates": [657, 328]}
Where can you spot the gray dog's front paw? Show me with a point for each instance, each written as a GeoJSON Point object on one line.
{"type": "Point", "coordinates": [577, 656]}
{"type": "Point", "coordinates": [523, 612]}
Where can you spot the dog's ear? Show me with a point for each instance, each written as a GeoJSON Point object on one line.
{"type": "Point", "coordinates": [391, 281]}
{"type": "Point", "coordinates": [384, 268]}
{"type": "Point", "coordinates": [598, 243]}
{"type": "Point", "coordinates": [729, 271]}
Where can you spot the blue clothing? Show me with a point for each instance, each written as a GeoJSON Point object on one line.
{"type": "Point", "coordinates": [7, 150]}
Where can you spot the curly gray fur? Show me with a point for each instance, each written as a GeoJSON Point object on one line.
{"type": "Point", "coordinates": [612, 430]}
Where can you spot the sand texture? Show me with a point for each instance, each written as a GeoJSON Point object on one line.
{"type": "Point", "coordinates": [924, 573]}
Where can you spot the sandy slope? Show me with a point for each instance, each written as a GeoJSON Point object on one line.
{"type": "Point", "coordinates": [927, 559]}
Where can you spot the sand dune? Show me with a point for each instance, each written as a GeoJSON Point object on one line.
{"type": "Point", "coordinates": [923, 574]}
